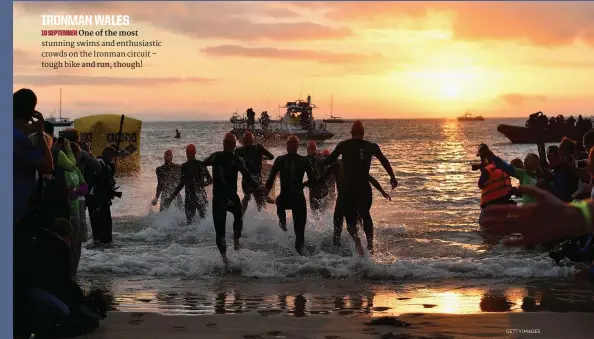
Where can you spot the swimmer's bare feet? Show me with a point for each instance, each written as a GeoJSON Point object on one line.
{"type": "Point", "coordinates": [236, 245]}
{"type": "Point", "coordinates": [370, 250]}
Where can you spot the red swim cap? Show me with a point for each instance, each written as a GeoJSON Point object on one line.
{"type": "Point", "coordinates": [292, 139]}
{"type": "Point", "coordinates": [229, 137]}
{"type": "Point", "coordinates": [312, 144]}
{"type": "Point", "coordinates": [191, 149]}
{"type": "Point", "coordinates": [326, 152]}
{"type": "Point", "coordinates": [358, 128]}
{"type": "Point", "coordinates": [168, 153]}
{"type": "Point", "coordinates": [248, 138]}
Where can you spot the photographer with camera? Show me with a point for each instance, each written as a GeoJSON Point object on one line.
{"type": "Point", "coordinates": [102, 191]}
{"type": "Point", "coordinates": [494, 182]}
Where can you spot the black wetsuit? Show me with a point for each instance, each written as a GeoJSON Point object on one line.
{"type": "Point", "coordinates": [317, 191]}
{"type": "Point", "coordinates": [252, 156]}
{"type": "Point", "coordinates": [168, 176]}
{"type": "Point", "coordinates": [194, 177]}
{"type": "Point", "coordinates": [292, 168]}
{"type": "Point", "coordinates": [335, 176]}
{"type": "Point", "coordinates": [225, 166]}
{"type": "Point", "coordinates": [356, 157]}
{"type": "Point", "coordinates": [99, 202]}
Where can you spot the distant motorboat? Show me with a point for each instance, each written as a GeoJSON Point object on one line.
{"type": "Point", "coordinates": [469, 117]}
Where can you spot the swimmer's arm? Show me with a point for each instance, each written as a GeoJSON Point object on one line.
{"type": "Point", "coordinates": [272, 175]}
{"type": "Point", "coordinates": [377, 152]}
{"type": "Point", "coordinates": [206, 175]}
{"type": "Point", "coordinates": [208, 161]}
{"type": "Point", "coordinates": [504, 166]}
{"type": "Point", "coordinates": [159, 184]}
{"type": "Point", "coordinates": [379, 187]}
{"type": "Point", "coordinates": [334, 155]}
{"type": "Point", "coordinates": [266, 153]}
{"type": "Point", "coordinates": [182, 183]}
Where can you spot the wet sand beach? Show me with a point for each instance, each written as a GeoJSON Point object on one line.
{"type": "Point", "coordinates": [422, 326]}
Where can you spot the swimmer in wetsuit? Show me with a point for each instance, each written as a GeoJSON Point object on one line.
{"type": "Point", "coordinates": [335, 175]}
{"type": "Point", "coordinates": [225, 166]}
{"type": "Point", "coordinates": [317, 191]}
{"type": "Point", "coordinates": [356, 156]}
{"type": "Point", "coordinates": [292, 167]}
{"type": "Point", "coordinates": [194, 177]}
{"type": "Point", "coordinates": [252, 155]}
{"type": "Point", "coordinates": [168, 176]}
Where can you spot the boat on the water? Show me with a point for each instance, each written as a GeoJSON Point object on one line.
{"type": "Point", "coordinates": [298, 120]}
{"type": "Point", "coordinates": [539, 128]}
{"type": "Point", "coordinates": [469, 117]}
{"type": "Point", "coordinates": [333, 119]}
{"type": "Point", "coordinates": [60, 122]}
{"type": "Point", "coordinates": [530, 135]}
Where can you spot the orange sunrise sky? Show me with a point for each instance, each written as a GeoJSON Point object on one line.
{"type": "Point", "coordinates": [378, 60]}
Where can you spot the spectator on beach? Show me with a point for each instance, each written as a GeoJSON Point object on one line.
{"type": "Point", "coordinates": [52, 280]}
{"type": "Point", "coordinates": [77, 188]}
{"type": "Point", "coordinates": [27, 161]}
{"type": "Point", "coordinates": [102, 191]}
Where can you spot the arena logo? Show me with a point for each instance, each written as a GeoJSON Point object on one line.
{"type": "Point", "coordinates": [124, 137]}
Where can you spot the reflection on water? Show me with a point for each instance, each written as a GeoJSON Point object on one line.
{"type": "Point", "coordinates": [374, 300]}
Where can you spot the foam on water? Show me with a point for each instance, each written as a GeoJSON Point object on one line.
{"type": "Point", "coordinates": [162, 245]}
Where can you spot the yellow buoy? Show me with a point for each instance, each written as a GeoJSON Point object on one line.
{"type": "Point", "coordinates": [102, 130]}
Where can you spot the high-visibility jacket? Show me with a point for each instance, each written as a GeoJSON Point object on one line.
{"type": "Point", "coordinates": [497, 186]}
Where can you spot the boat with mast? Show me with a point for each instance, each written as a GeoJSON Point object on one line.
{"type": "Point", "coordinates": [333, 119]}
{"type": "Point", "coordinates": [60, 122]}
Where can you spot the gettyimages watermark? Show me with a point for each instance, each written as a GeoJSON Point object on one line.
{"type": "Point", "coordinates": [522, 331]}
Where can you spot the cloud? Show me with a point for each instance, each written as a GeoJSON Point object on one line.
{"type": "Point", "coordinates": [540, 23]}
{"type": "Point", "coordinates": [517, 99]}
{"type": "Point", "coordinates": [291, 54]}
{"type": "Point", "coordinates": [75, 80]}
{"type": "Point", "coordinates": [204, 20]}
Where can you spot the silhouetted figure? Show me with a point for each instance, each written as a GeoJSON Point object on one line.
{"type": "Point", "coordinates": [251, 117]}
{"type": "Point", "coordinates": [177, 135]}
{"type": "Point", "coordinates": [570, 122]}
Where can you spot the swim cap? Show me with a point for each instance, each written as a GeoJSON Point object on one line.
{"type": "Point", "coordinates": [248, 138]}
{"type": "Point", "coordinates": [292, 139]}
{"type": "Point", "coordinates": [168, 153]}
{"type": "Point", "coordinates": [191, 149]}
{"type": "Point", "coordinates": [312, 144]}
{"type": "Point", "coordinates": [229, 137]}
{"type": "Point", "coordinates": [358, 128]}
{"type": "Point", "coordinates": [326, 152]}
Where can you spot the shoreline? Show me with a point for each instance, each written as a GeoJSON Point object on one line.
{"type": "Point", "coordinates": [428, 326]}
